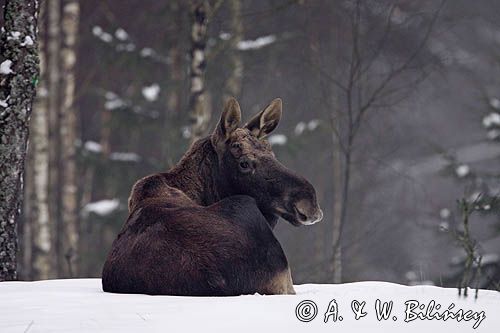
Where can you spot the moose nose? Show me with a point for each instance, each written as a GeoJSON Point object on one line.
{"type": "Point", "coordinates": [307, 213]}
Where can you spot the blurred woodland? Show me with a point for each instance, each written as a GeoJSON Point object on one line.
{"type": "Point", "coordinates": [391, 110]}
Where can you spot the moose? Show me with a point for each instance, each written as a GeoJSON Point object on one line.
{"type": "Point", "coordinates": [205, 228]}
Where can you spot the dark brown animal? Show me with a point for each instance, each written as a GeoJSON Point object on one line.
{"type": "Point", "coordinates": [205, 226]}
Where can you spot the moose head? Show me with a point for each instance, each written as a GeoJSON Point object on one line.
{"type": "Point", "coordinates": [249, 166]}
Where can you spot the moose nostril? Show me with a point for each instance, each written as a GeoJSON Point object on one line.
{"type": "Point", "coordinates": [301, 216]}
{"type": "Point", "coordinates": [308, 213]}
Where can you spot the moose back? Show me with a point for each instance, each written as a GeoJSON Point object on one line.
{"type": "Point", "coordinates": [205, 228]}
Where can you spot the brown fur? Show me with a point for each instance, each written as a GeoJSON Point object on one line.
{"type": "Point", "coordinates": [281, 283]}
{"type": "Point", "coordinates": [205, 226]}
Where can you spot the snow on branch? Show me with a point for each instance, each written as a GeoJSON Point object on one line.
{"type": "Point", "coordinates": [255, 44]}
{"type": "Point", "coordinates": [122, 42]}
{"type": "Point", "coordinates": [102, 207]}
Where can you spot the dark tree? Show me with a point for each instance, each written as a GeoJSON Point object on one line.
{"type": "Point", "coordinates": [18, 77]}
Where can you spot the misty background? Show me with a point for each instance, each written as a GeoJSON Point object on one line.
{"type": "Point", "coordinates": [390, 108]}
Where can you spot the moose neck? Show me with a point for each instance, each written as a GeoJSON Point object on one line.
{"type": "Point", "coordinates": [197, 174]}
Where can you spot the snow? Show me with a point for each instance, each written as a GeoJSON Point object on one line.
{"type": "Point", "coordinates": [151, 92]}
{"type": "Point", "coordinates": [121, 34]}
{"type": "Point", "coordinates": [299, 128]}
{"type": "Point", "coordinates": [302, 126]}
{"type": "Point", "coordinates": [313, 124]}
{"type": "Point", "coordinates": [4, 102]}
{"type": "Point", "coordinates": [495, 103]}
{"type": "Point", "coordinates": [27, 41]}
{"type": "Point", "coordinates": [186, 132]}
{"type": "Point", "coordinates": [92, 146]}
{"type": "Point", "coordinates": [102, 207]}
{"type": "Point", "coordinates": [411, 276]}
{"type": "Point", "coordinates": [110, 95]}
{"type": "Point", "coordinates": [462, 170]}
{"type": "Point", "coordinates": [101, 34]}
{"type": "Point", "coordinates": [255, 44]}
{"type": "Point", "coordinates": [5, 67]}
{"type": "Point", "coordinates": [114, 103]}
{"type": "Point", "coordinates": [14, 35]}
{"type": "Point", "coordinates": [80, 305]}
{"type": "Point", "coordinates": [124, 157]}
{"type": "Point", "coordinates": [444, 226]}
{"type": "Point", "coordinates": [224, 35]}
{"type": "Point", "coordinates": [489, 258]}
{"type": "Point", "coordinates": [129, 47]}
{"type": "Point", "coordinates": [147, 52]}
{"type": "Point", "coordinates": [493, 134]}
{"type": "Point", "coordinates": [493, 119]}
{"type": "Point", "coordinates": [473, 153]}
{"type": "Point", "coordinates": [444, 213]}
{"type": "Point", "coordinates": [97, 30]}
{"type": "Point", "coordinates": [277, 139]}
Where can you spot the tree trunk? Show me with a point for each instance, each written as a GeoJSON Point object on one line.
{"type": "Point", "coordinates": [71, 11]}
{"type": "Point", "coordinates": [199, 104]}
{"type": "Point", "coordinates": [37, 206]}
{"type": "Point", "coordinates": [233, 83]}
{"type": "Point", "coordinates": [18, 77]}
{"type": "Point", "coordinates": [53, 78]}
{"type": "Point", "coordinates": [172, 117]}
{"type": "Point", "coordinates": [337, 208]}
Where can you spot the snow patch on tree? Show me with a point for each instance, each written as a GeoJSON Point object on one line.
{"type": "Point", "coordinates": [14, 35]}
{"type": "Point", "coordinates": [28, 41]}
{"type": "Point", "coordinates": [3, 102]}
{"type": "Point", "coordinates": [5, 67]}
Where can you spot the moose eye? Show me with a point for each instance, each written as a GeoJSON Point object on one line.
{"type": "Point", "coordinates": [244, 165]}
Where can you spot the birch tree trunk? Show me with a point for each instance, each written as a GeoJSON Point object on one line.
{"type": "Point", "coordinates": [199, 106]}
{"type": "Point", "coordinates": [37, 206]}
{"type": "Point", "coordinates": [71, 11]}
{"type": "Point", "coordinates": [18, 76]}
{"type": "Point", "coordinates": [233, 83]}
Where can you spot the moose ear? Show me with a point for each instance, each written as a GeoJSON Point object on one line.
{"type": "Point", "coordinates": [229, 121]}
{"type": "Point", "coordinates": [266, 120]}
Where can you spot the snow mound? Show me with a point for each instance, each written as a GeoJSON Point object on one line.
{"type": "Point", "coordinates": [80, 305]}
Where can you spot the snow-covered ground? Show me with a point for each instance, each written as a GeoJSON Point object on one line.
{"type": "Point", "coordinates": [79, 305]}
